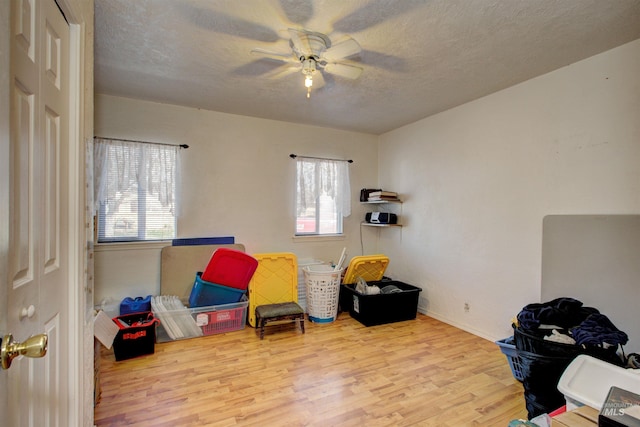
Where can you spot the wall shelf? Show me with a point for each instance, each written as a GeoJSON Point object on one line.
{"type": "Point", "coordinates": [369, 224]}
{"type": "Point", "coordinates": [381, 202]}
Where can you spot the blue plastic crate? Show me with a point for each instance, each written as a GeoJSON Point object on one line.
{"type": "Point", "coordinates": [508, 348]}
{"type": "Point", "coordinates": [206, 293]}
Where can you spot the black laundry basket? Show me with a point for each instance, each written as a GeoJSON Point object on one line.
{"type": "Point", "coordinates": [542, 364]}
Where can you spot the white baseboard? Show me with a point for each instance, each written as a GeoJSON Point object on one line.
{"type": "Point", "coordinates": [465, 328]}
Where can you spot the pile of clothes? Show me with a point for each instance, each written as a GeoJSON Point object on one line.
{"type": "Point", "coordinates": [566, 320]}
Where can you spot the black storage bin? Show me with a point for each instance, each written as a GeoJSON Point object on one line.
{"type": "Point", "coordinates": [529, 341]}
{"type": "Point", "coordinates": [136, 337]}
{"type": "Point", "coordinates": [378, 309]}
{"type": "Point", "coordinates": [543, 363]}
{"type": "Point", "coordinates": [540, 381]}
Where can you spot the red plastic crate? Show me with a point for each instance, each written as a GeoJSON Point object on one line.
{"type": "Point", "coordinates": [218, 322]}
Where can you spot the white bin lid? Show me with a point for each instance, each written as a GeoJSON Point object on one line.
{"type": "Point", "coordinates": [588, 380]}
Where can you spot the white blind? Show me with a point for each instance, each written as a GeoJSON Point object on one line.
{"type": "Point", "coordinates": [322, 195]}
{"type": "Point", "coordinates": [135, 190]}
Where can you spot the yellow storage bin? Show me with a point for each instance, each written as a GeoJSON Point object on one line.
{"type": "Point", "coordinates": [274, 281]}
{"type": "Point", "coordinates": [370, 267]}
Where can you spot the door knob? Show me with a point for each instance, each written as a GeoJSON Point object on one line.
{"type": "Point", "coordinates": [35, 346]}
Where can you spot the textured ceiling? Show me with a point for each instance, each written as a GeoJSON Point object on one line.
{"type": "Point", "coordinates": [419, 57]}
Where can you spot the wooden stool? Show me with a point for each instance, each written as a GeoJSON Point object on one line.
{"type": "Point", "coordinates": [281, 311]}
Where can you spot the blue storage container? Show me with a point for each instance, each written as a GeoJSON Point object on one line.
{"type": "Point", "coordinates": [206, 293]}
{"type": "Point", "coordinates": [135, 305]}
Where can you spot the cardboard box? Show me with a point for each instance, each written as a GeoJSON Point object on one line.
{"type": "Point", "coordinates": [584, 416]}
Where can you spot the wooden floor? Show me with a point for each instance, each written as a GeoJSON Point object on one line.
{"type": "Point", "coordinates": [415, 373]}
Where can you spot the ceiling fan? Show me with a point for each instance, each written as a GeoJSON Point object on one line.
{"type": "Point", "coordinates": [312, 53]}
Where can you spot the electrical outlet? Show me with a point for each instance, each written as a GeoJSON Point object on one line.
{"type": "Point", "coordinates": [466, 307]}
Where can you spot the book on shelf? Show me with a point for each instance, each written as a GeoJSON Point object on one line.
{"type": "Point", "coordinates": [383, 193]}
{"type": "Point", "coordinates": [383, 199]}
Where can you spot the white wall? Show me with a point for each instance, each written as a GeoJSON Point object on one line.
{"type": "Point", "coordinates": [238, 180]}
{"type": "Point", "coordinates": [478, 179]}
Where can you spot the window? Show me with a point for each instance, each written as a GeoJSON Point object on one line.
{"type": "Point", "coordinates": [135, 190]}
{"type": "Point", "coordinates": [322, 196]}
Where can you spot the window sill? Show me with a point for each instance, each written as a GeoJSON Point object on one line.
{"type": "Point", "coordinates": [128, 246]}
{"type": "Point", "coordinates": [317, 237]}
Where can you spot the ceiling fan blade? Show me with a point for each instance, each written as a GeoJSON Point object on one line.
{"type": "Point", "coordinates": [301, 44]}
{"type": "Point", "coordinates": [285, 57]}
{"type": "Point", "coordinates": [341, 50]}
{"type": "Point", "coordinates": [343, 70]}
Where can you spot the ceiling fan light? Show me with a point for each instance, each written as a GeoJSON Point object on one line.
{"type": "Point", "coordinates": [308, 66]}
{"type": "Point", "coordinates": [308, 80]}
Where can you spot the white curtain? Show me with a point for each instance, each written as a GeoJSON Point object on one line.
{"type": "Point", "coordinates": [332, 177]}
{"type": "Point", "coordinates": [120, 165]}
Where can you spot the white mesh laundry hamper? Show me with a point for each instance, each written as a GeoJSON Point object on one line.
{"type": "Point", "coordinates": [323, 289]}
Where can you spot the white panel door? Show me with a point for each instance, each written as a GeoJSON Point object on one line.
{"type": "Point", "coordinates": [38, 272]}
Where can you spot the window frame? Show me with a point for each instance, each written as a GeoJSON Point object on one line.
{"type": "Point", "coordinates": [318, 218]}
{"type": "Point", "coordinates": [141, 194]}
